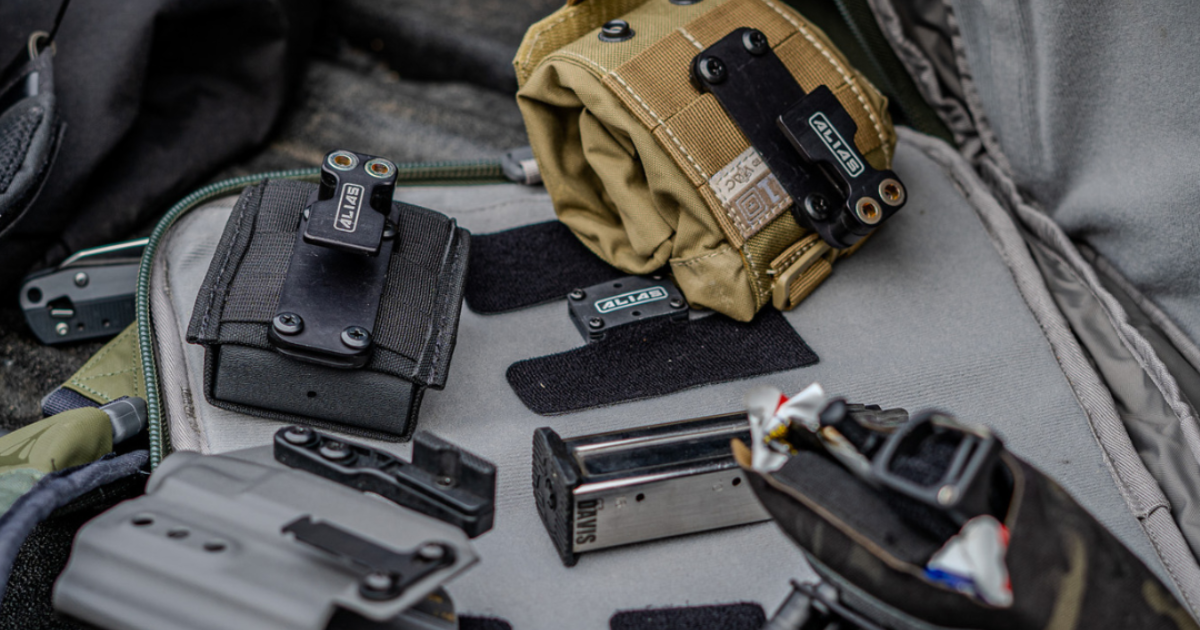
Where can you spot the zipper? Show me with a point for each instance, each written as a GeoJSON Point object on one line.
{"type": "Point", "coordinates": [417, 173]}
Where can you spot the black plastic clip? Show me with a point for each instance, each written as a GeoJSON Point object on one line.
{"type": "Point", "coordinates": [597, 309]}
{"type": "Point", "coordinates": [964, 489]}
{"type": "Point", "coordinates": [330, 296]}
{"type": "Point", "coordinates": [807, 140]}
{"type": "Point", "coordinates": [389, 573]}
{"type": "Point", "coordinates": [442, 481]}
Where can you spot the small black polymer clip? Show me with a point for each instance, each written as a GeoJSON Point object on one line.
{"type": "Point", "coordinates": [807, 140]}
{"type": "Point", "coordinates": [597, 309]}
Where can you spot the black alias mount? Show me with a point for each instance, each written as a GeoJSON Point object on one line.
{"type": "Point", "coordinates": [807, 140]}
{"type": "Point", "coordinates": [344, 244]}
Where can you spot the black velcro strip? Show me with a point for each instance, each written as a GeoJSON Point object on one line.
{"type": "Point", "coordinates": [744, 616]}
{"type": "Point", "coordinates": [530, 265]}
{"type": "Point", "coordinates": [657, 358]}
{"type": "Point", "coordinates": [482, 623]}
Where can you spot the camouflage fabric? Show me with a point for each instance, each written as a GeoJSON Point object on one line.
{"type": "Point", "coordinates": [649, 172]}
{"type": "Point", "coordinates": [1067, 571]}
{"type": "Point", "coordinates": [71, 438]}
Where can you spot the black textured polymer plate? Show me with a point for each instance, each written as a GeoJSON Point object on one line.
{"type": "Point", "coordinates": [657, 358]}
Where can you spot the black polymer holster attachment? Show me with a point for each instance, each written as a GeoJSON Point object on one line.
{"type": "Point", "coordinates": [807, 140]}
{"type": "Point", "coordinates": [332, 304]}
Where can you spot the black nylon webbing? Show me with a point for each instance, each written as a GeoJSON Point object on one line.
{"type": "Point", "coordinates": [530, 265]}
{"type": "Point", "coordinates": [418, 315]}
{"type": "Point", "coordinates": [657, 358]}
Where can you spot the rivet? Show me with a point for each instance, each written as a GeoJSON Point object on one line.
{"type": "Point", "coordinates": [615, 31]}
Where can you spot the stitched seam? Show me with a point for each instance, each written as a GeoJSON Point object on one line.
{"type": "Point", "coordinates": [533, 44]}
{"type": "Point", "coordinates": [841, 70]}
{"type": "Point", "coordinates": [438, 341]}
{"type": "Point", "coordinates": [683, 31]}
{"type": "Point", "coordinates": [689, 261]}
{"type": "Point", "coordinates": [96, 376]}
{"type": "Point", "coordinates": [82, 386]}
{"type": "Point", "coordinates": [662, 124]}
{"type": "Point", "coordinates": [212, 297]}
{"type": "Point", "coordinates": [790, 260]}
{"type": "Point", "coordinates": [758, 277]}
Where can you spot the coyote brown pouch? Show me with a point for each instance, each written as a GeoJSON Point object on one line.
{"type": "Point", "coordinates": [649, 171]}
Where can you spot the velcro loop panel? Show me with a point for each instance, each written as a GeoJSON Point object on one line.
{"type": "Point", "coordinates": [740, 616]}
{"type": "Point", "coordinates": [658, 358]}
{"type": "Point", "coordinates": [530, 265]}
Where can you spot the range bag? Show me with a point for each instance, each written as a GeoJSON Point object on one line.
{"type": "Point", "coordinates": [1018, 289]}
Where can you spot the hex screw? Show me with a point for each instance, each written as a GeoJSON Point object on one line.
{"type": "Point", "coordinates": [335, 451]}
{"type": "Point", "coordinates": [817, 207]}
{"type": "Point", "coordinates": [431, 552]}
{"type": "Point", "coordinates": [356, 337]}
{"type": "Point", "coordinates": [577, 294]}
{"type": "Point", "coordinates": [677, 303]}
{"type": "Point", "coordinates": [713, 70]}
{"type": "Point", "coordinates": [755, 42]}
{"type": "Point", "coordinates": [596, 322]}
{"type": "Point", "coordinates": [298, 435]}
{"type": "Point", "coordinates": [81, 279]}
{"type": "Point", "coordinates": [288, 324]}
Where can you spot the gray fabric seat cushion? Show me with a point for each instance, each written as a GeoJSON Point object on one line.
{"type": "Point", "coordinates": [931, 313]}
{"type": "Point", "coordinates": [1093, 104]}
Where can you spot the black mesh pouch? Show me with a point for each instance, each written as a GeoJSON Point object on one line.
{"type": "Point", "coordinates": [414, 332]}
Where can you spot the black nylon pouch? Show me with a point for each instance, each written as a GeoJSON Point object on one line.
{"type": "Point", "coordinates": [414, 332]}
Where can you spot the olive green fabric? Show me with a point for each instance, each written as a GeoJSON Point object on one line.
{"type": "Point", "coordinates": [648, 171]}
{"type": "Point", "coordinates": [75, 437]}
{"type": "Point", "coordinates": [114, 372]}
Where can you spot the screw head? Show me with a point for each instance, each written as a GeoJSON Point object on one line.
{"type": "Point", "coordinates": [755, 42]}
{"type": "Point", "coordinates": [677, 303]}
{"type": "Point", "coordinates": [444, 481]}
{"type": "Point", "coordinates": [596, 322]}
{"type": "Point", "coordinates": [379, 585]}
{"type": "Point", "coordinates": [335, 451]}
{"type": "Point", "coordinates": [817, 207]}
{"type": "Point", "coordinates": [81, 279]}
{"type": "Point", "coordinates": [713, 70]}
{"type": "Point", "coordinates": [356, 337]}
{"type": "Point", "coordinates": [288, 324]}
{"type": "Point", "coordinates": [298, 435]}
{"type": "Point", "coordinates": [615, 31]}
{"type": "Point", "coordinates": [577, 294]}
{"type": "Point", "coordinates": [431, 552]}
{"type": "Point", "coordinates": [61, 329]}
{"type": "Point", "coordinates": [945, 495]}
